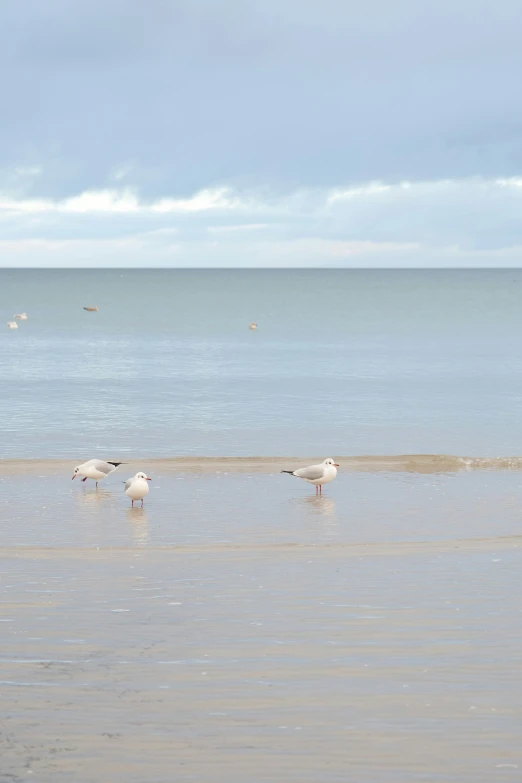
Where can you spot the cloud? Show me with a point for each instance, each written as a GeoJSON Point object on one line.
{"type": "Point", "coordinates": [125, 201]}
{"type": "Point", "coordinates": [198, 94]}
{"type": "Point", "coordinates": [195, 132]}
{"type": "Point", "coordinates": [250, 227]}
{"type": "Point", "coordinates": [28, 171]}
{"type": "Point", "coordinates": [423, 223]}
{"type": "Point", "coordinates": [121, 172]}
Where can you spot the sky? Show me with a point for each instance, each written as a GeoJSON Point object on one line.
{"type": "Point", "coordinates": [282, 133]}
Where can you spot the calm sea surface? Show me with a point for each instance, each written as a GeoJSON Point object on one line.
{"type": "Point", "coordinates": [343, 362]}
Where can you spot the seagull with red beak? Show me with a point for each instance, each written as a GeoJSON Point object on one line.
{"type": "Point", "coordinates": [136, 487]}
{"type": "Point", "coordinates": [95, 469]}
{"type": "Point", "coordinates": [317, 474]}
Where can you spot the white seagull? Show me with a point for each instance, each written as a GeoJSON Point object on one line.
{"type": "Point", "coordinates": [136, 487]}
{"type": "Point", "coordinates": [317, 474]}
{"type": "Point", "coordinates": [95, 469]}
{"type": "Point", "coordinates": [20, 317]}
{"type": "Point", "coordinates": [12, 325]}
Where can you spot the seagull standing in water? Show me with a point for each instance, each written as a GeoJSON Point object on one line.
{"type": "Point", "coordinates": [317, 474]}
{"type": "Point", "coordinates": [95, 469]}
{"type": "Point", "coordinates": [136, 487]}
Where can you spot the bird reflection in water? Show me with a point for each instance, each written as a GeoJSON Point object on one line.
{"type": "Point", "coordinates": [93, 498]}
{"type": "Point", "coordinates": [139, 525]}
{"type": "Point", "coordinates": [323, 507]}
{"type": "Point", "coordinates": [320, 505]}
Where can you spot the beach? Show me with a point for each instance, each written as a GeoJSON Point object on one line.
{"type": "Point", "coordinates": [260, 392]}
{"type": "Point", "coordinates": [239, 628]}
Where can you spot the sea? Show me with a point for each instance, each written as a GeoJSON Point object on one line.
{"type": "Point", "coordinates": [372, 362]}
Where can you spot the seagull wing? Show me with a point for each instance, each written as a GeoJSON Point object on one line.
{"type": "Point", "coordinates": [102, 466]}
{"type": "Point", "coordinates": [312, 473]}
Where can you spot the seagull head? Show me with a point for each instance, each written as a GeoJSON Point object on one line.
{"type": "Point", "coordinates": [330, 463]}
{"type": "Point", "coordinates": [142, 476]}
{"type": "Point", "coordinates": [76, 471]}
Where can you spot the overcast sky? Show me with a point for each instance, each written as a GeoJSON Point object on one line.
{"type": "Point", "coordinates": [274, 133]}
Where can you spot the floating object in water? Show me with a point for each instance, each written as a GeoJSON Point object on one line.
{"type": "Point", "coordinates": [253, 326]}
{"type": "Point", "coordinates": [136, 487]}
{"type": "Point", "coordinates": [20, 317]}
{"type": "Point", "coordinates": [91, 309]}
{"type": "Point", "coordinates": [12, 325]}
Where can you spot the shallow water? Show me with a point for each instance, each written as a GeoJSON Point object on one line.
{"type": "Point", "coordinates": [237, 628]}
{"type": "Point", "coordinates": [189, 508]}
{"type": "Point", "coordinates": [234, 666]}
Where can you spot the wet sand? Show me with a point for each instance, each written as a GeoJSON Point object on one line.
{"type": "Point", "coordinates": [402, 463]}
{"type": "Point", "coordinates": [238, 629]}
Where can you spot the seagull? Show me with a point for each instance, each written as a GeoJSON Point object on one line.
{"type": "Point", "coordinates": [252, 326]}
{"type": "Point", "coordinates": [317, 474]}
{"type": "Point", "coordinates": [95, 469]}
{"type": "Point", "coordinates": [136, 487]}
{"type": "Point", "coordinates": [20, 317]}
{"type": "Point", "coordinates": [12, 325]}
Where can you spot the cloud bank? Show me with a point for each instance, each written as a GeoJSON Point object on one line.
{"type": "Point", "coordinates": [204, 133]}
{"type": "Point", "coordinates": [439, 223]}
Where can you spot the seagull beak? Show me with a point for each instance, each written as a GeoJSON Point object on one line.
{"type": "Point", "coordinates": [149, 479]}
{"type": "Point", "coordinates": [74, 477]}
{"type": "Point", "coordinates": [336, 464]}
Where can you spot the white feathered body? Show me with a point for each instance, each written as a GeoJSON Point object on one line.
{"type": "Point", "coordinates": [136, 488]}
{"type": "Point", "coordinates": [328, 474]}
{"type": "Point", "coordinates": [96, 469]}
{"type": "Point", "coordinates": [316, 474]}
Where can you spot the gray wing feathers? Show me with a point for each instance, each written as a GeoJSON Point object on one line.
{"type": "Point", "coordinates": [128, 483]}
{"type": "Point", "coordinates": [312, 473]}
{"type": "Point", "coordinates": [102, 466]}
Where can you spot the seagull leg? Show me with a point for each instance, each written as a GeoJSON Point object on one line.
{"type": "Point", "coordinates": [320, 489]}
{"type": "Point", "coordinates": [316, 489]}
{"type": "Point", "coordinates": [85, 479]}
{"type": "Point", "coordinates": [142, 503]}
{"type": "Point", "coordinates": [133, 504]}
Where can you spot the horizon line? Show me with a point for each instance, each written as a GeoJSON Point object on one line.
{"type": "Point", "coordinates": [265, 268]}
